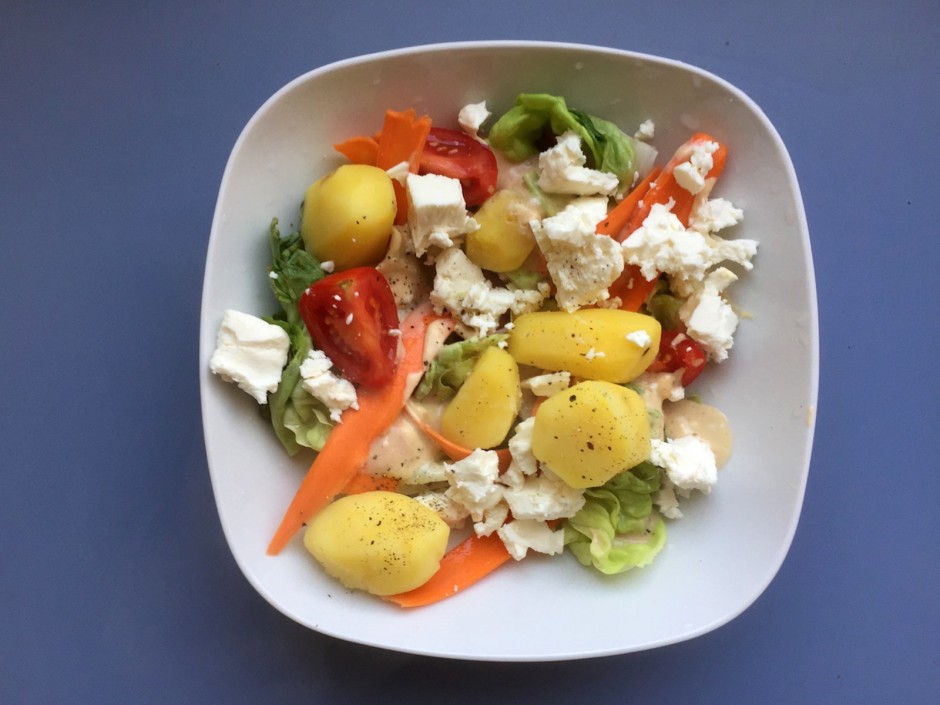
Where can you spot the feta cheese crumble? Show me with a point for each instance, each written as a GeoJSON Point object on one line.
{"type": "Point", "coordinates": [709, 318]}
{"type": "Point", "coordinates": [437, 212]}
{"type": "Point", "coordinates": [336, 393]}
{"type": "Point", "coordinates": [461, 288]}
{"type": "Point", "coordinates": [471, 118]}
{"type": "Point", "coordinates": [562, 170]}
{"type": "Point", "coordinates": [251, 353]}
{"type": "Point", "coordinates": [582, 263]}
{"type": "Point", "coordinates": [663, 244]}
{"type": "Point", "coordinates": [520, 535]}
{"type": "Point", "coordinates": [691, 174]}
{"type": "Point", "coordinates": [688, 461]}
{"type": "Point", "coordinates": [640, 338]}
{"type": "Point", "coordinates": [547, 384]}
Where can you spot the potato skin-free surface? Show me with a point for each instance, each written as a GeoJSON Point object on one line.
{"type": "Point", "coordinates": [348, 216]}
{"type": "Point", "coordinates": [482, 412]}
{"type": "Point", "coordinates": [504, 238]}
{"type": "Point", "coordinates": [590, 343]}
{"type": "Point", "coordinates": [380, 542]}
{"type": "Point", "coordinates": [591, 432]}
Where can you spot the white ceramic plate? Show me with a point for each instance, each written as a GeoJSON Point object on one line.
{"type": "Point", "coordinates": [724, 552]}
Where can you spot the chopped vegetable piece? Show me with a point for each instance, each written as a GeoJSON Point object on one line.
{"type": "Point", "coordinates": [350, 316]}
{"type": "Point", "coordinates": [348, 445]}
{"type": "Point", "coordinates": [462, 566]}
{"type": "Point", "coordinates": [459, 156]}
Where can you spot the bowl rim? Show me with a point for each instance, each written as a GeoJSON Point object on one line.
{"type": "Point", "coordinates": [205, 349]}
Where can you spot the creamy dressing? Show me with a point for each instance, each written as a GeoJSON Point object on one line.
{"type": "Point", "coordinates": [692, 418]}
{"type": "Point", "coordinates": [404, 448]}
{"type": "Point", "coordinates": [409, 279]}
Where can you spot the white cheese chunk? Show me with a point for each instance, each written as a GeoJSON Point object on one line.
{"type": "Point", "coordinates": [336, 393]}
{"type": "Point", "coordinates": [688, 461]}
{"type": "Point", "coordinates": [437, 212]}
{"type": "Point", "coordinates": [251, 353]}
{"type": "Point", "coordinates": [562, 170]}
{"type": "Point", "coordinates": [544, 497]}
{"type": "Point", "coordinates": [471, 118]}
{"type": "Point", "coordinates": [547, 384]}
{"type": "Point", "coordinates": [646, 131]}
{"type": "Point", "coordinates": [691, 174]}
{"type": "Point", "coordinates": [461, 288]}
{"type": "Point", "coordinates": [520, 535]}
{"type": "Point", "coordinates": [582, 264]}
{"type": "Point", "coordinates": [474, 482]}
{"type": "Point", "coordinates": [662, 244]}
{"type": "Point", "coordinates": [709, 318]}
{"type": "Point", "coordinates": [491, 519]}
{"type": "Point", "coordinates": [640, 338]}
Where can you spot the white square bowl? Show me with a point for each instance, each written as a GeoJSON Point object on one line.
{"type": "Point", "coordinates": [725, 551]}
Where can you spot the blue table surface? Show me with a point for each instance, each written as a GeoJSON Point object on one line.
{"type": "Point", "coordinates": [116, 584]}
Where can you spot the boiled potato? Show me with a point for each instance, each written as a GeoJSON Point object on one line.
{"type": "Point", "coordinates": [504, 238]}
{"type": "Point", "coordinates": [348, 216]}
{"type": "Point", "coordinates": [380, 542]}
{"type": "Point", "coordinates": [482, 412]}
{"type": "Point", "coordinates": [597, 343]}
{"type": "Point", "coordinates": [591, 432]}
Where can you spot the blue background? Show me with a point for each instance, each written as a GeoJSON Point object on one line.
{"type": "Point", "coordinates": [116, 585]}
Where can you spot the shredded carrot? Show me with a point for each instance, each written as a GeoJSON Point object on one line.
{"type": "Point", "coordinates": [347, 446]}
{"type": "Point", "coordinates": [619, 215]}
{"type": "Point", "coordinates": [666, 187]}
{"type": "Point", "coordinates": [359, 150]}
{"type": "Point", "coordinates": [364, 482]}
{"type": "Point", "coordinates": [462, 566]}
{"type": "Point", "coordinates": [402, 140]}
{"type": "Point", "coordinates": [452, 450]}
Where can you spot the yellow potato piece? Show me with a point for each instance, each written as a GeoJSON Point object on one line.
{"type": "Point", "coordinates": [348, 216]}
{"type": "Point", "coordinates": [504, 238]}
{"type": "Point", "coordinates": [597, 343]}
{"type": "Point", "coordinates": [487, 403]}
{"type": "Point", "coordinates": [591, 432]}
{"type": "Point", "coordinates": [380, 542]}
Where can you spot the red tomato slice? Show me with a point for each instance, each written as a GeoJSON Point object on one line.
{"type": "Point", "coordinates": [350, 316]}
{"type": "Point", "coordinates": [679, 350]}
{"type": "Point", "coordinates": [459, 156]}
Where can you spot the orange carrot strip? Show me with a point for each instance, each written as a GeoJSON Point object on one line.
{"type": "Point", "coordinates": [402, 140]}
{"type": "Point", "coordinates": [619, 215]}
{"type": "Point", "coordinates": [452, 450]}
{"type": "Point", "coordinates": [364, 482]}
{"type": "Point", "coordinates": [667, 188]}
{"type": "Point", "coordinates": [462, 566]}
{"type": "Point", "coordinates": [347, 446]}
{"type": "Point", "coordinates": [359, 150]}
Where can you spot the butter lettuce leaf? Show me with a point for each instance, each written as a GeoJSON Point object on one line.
{"type": "Point", "coordinates": [298, 418]}
{"type": "Point", "coordinates": [518, 132]}
{"type": "Point", "coordinates": [448, 371]}
{"type": "Point", "coordinates": [617, 529]}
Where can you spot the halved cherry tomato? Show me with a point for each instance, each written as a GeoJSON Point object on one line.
{"type": "Point", "coordinates": [352, 317]}
{"type": "Point", "coordinates": [677, 350]}
{"type": "Point", "coordinates": [459, 156]}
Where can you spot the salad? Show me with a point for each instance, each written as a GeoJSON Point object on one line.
{"type": "Point", "coordinates": [487, 338]}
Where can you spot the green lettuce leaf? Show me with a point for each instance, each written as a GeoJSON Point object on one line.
{"type": "Point", "coordinates": [617, 529]}
{"type": "Point", "coordinates": [452, 366]}
{"type": "Point", "coordinates": [292, 270]}
{"type": "Point", "coordinates": [519, 130]}
{"type": "Point", "coordinates": [297, 417]}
